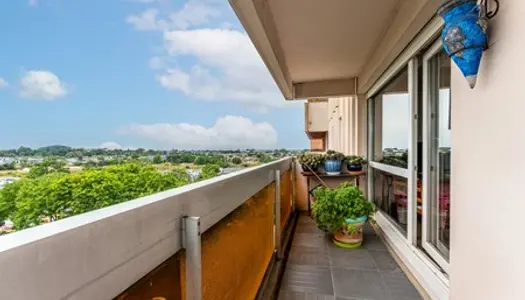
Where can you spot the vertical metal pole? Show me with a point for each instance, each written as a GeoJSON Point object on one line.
{"type": "Point", "coordinates": [277, 214]}
{"type": "Point", "coordinates": [193, 258]}
{"type": "Point", "coordinates": [293, 184]}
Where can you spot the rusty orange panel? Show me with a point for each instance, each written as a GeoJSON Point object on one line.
{"type": "Point", "coordinates": [163, 283]}
{"type": "Point", "coordinates": [237, 250]}
{"type": "Point", "coordinates": [286, 197]}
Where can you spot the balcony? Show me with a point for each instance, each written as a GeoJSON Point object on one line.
{"type": "Point", "coordinates": [237, 236]}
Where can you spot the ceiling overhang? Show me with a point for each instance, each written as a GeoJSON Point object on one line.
{"type": "Point", "coordinates": [322, 48]}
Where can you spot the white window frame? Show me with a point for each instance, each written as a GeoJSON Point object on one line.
{"type": "Point", "coordinates": [427, 187]}
{"type": "Point", "coordinates": [426, 271]}
{"type": "Point", "coordinates": [410, 173]}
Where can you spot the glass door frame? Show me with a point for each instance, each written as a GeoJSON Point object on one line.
{"type": "Point", "coordinates": [410, 173]}
{"type": "Point", "coordinates": [430, 97]}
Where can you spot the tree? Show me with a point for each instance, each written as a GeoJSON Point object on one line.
{"type": "Point", "coordinates": [9, 167]}
{"type": "Point", "coordinates": [237, 160]}
{"type": "Point", "coordinates": [24, 151]}
{"type": "Point", "coordinates": [157, 159]}
{"type": "Point", "coordinates": [46, 167]}
{"type": "Point", "coordinates": [209, 171]}
{"type": "Point", "coordinates": [200, 160]}
{"type": "Point", "coordinates": [53, 196]}
{"type": "Point", "coordinates": [8, 199]}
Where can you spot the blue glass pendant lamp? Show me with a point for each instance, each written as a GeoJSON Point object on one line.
{"type": "Point", "coordinates": [465, 34]}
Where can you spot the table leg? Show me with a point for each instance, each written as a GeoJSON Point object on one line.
{"type": "Point", "coordinates": [308, 195]}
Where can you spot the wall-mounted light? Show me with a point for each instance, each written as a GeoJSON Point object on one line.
{"type": "Point", "coordinates": [465, 34]}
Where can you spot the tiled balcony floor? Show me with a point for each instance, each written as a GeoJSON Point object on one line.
{"type": "Point", "coordinates": [319, 270]}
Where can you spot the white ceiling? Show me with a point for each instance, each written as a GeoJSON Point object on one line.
{"type": "Point", "coordinates": [330, 39]}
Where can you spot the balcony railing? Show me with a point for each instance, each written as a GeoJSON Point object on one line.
{"type": "Point", "coordinates": [214, 240]}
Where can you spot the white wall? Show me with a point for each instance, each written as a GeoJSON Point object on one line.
{"type": "Point", "coordinates": [488, 168]}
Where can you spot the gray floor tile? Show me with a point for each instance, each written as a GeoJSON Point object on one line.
{"type": "Point", "coordinates": [292, 295]}
{"type": "Point", "coordinates": [384, 261]}
{"type": "Point", "coordinates": [310, 279]}
{"type": "Point", "coordinates": [367, 273]}
{"type": "Point", "coordinates": [352, 258]}
{"type": "Point", "coordinates": [373, 242]}
{"type": "Point", "coordinates": [309, 240]}
{"type": "Point", "coordinates": [304, 219]}
{"type": "Point", "coordinates": [314, 256]}
{"type": "Point", "coordinates": [368, 230]}
{"type": "Point", "coordinates": [400, 287]}
{"type": "Point", "coordinates": [359, 284]}
{"type": "Point", "coordinates": [308, 228]}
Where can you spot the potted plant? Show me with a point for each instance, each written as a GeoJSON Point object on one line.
{"type": "Point", "coordinates": [355, 163]}
{"type": "Point", "coordinates": [333, 162]}
{"type": "Point", "coordinates": [310, 161]}
{"type": "Point", "coordinates": [343, 212]}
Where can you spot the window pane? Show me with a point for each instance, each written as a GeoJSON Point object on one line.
{"type": "Point", "coordinates": [390, 196]}
{"type": "Point", "coordinates": [391, 120]}
{"type": "Point", "coordinates": [440, 155]}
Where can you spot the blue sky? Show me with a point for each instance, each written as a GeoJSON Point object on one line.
{"type": "Point", "coordinates": [137, 73]}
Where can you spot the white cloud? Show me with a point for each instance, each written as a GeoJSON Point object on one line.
{"type": "Point", "coordinates": [193, 13]}
{"type": "Point", "coordinates": [147, 20]}
{"type": "Point", "coordinates": [41, 84]}
{"type": "Point", "coordinates": [229, 132]}
{"type": "Point", "coordinates": [228, 67]}
{"type": "Point", "coordinates": [176, 80]}
{"type": "Point", "coordinates": [110, 146]}
{"type": "Point", "coordinates": [224, 64]}
{"type": "Point", "coordinates": [157, 62]}
{"type": "Point", "coordinates": [3, 83]}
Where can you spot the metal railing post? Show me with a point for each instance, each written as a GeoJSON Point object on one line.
{"type": "Point", "coordinates": [277, 214]}
{"type": "Point", "coordinates": [192, 240]}
{"type": "Point", "coordinates": [292, 169]}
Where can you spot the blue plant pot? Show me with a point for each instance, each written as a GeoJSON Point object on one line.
{"type": "Point", "coordinates": [464, 36]}
{"type": "Point", "coordinates": [333, 167]}
{"type": "Point", "coordinates": [354, 168]}
{"type": "Point", "coordinates": [359, 220]}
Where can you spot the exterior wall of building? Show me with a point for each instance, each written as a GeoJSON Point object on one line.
{"type": "Point", "coordinates": [488, 136]}
{"type": "Point", "coordinates": [343, 125]}
{"type": "Point", "coordinates": [317, 116]}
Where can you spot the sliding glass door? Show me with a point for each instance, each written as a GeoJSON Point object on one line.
{"type": "Point", "coordinates": [391, 148]}
{"type": "Point", "coordinates": [436, 154]}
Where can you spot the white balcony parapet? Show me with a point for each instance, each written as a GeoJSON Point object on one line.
{"type": "Point", "coordinates": [99, 254]}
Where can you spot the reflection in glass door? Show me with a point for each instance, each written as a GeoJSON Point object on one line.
{"type": "Point", "coordinates": [436, 154]}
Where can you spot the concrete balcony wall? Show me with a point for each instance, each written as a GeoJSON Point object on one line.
{"type": "Point", "coordinates": [134, 250]}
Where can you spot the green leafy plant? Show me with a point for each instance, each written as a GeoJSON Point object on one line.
{"type": "Point", "coordinates": [333, 155]}
{"type": "Point", "coordinates": [355, 160]}
{"type": "Point", "coordinates": [395, 160]}
{"type": "Point", "coordinates": [333, 206]}
{"type": "Point", "coordinates": [209, 171]}
{"type": "Point", "coordinates": [310, 160]}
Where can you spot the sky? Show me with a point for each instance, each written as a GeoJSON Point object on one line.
{"type": "Point", "coordinates": [396, 117]}
{"type": "Point", "coordinates": [158, 74]}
